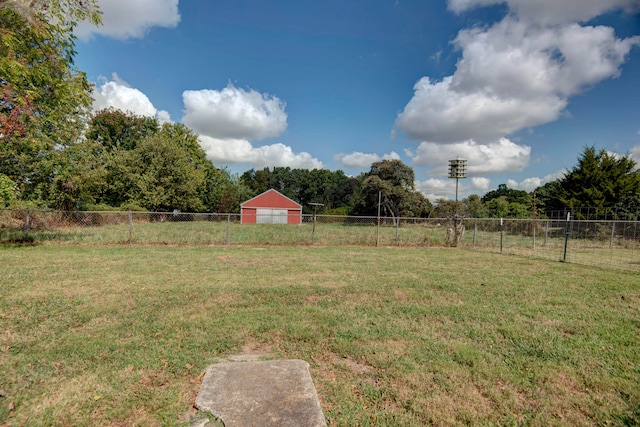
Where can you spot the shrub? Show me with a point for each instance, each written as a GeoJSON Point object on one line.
{"type": "Point", "coordinates": [8, 191]}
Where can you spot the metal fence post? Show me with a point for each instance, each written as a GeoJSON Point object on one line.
{"type": "Point", "coordinates": [226, 242]}
{"type": "Point", "coordinates": [378, 224]}
{"type": "Point", "coordinates": [26, 224]}
{"type": "Point", "coordinates": [613, 232]}
{"type": "Point", "coordinates": [130, 226]}
{"type": "Point", "coordinates": [566, 237]}
{"type": "Point", "coordinates": [501, 232]}
{"type": "Point", "coordinates": [534, 235]}
{"type": "Point", "coordinates": [475, 231]}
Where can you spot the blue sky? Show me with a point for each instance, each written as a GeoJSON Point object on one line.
{"type": "Point", "coordinates": [517, 87]}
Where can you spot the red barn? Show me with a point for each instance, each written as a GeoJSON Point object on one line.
{"type": "Point", "coordinates": [271, 207]}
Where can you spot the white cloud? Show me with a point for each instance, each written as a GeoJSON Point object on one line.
{"type": "Point", "coordinates": [437, 113]}
{"type": "Point", "coordinates": [116, 93]}
{"type": "Point", "coordinates": [530, 184]}
{"type": "Point", "coordinates": [229, 120]}
{"type": "Point", "coordinates": [363, 160]}
{"type": "Point", "coordinates": [551, 12]}
{"type": "Point", "coordinates": [231, 151]}
{"type": "Point", "coordinates": [511, 76]}
{"type": "Point", "coordinates": [516, 74]}
{"type": "Point", "coordinates": [434, 188]}
{"type": "Point", "coordinates": [495, 157]}
{"type": "Point", "coordinates": [479, 183]}
{"type": "Point", "coordinates": [635, 152]}
{"type": "Point", "coordinates": [123, 19]}
{"type": "Point", "coordinates": [233, 113]}
{"type": "Point", "coordinates": [226, 122]}
{"type": "Point", "coordinates": [163, 116]}
{"type": "Point", "coordinates": [554, 176]}
{"type": "Point", "coordinates": [514, 60]}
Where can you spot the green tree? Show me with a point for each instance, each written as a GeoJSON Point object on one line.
{"type": "Point", "coordinates": [136, 170]}
{"type": "Point", "coordinates": [445, 208]}
{"type": "Point", "coordinates": [518, 210]}
{"type": "Point", "coordinates": [392, 183]}
{"type": "Point", "coordinates": [511, 195]}
{"type": "Point", "coordinates": [547, 197]}
{"type": "Point", "coordinates": [257, 180]}
{"type": "Point", "coordinates": [334, 189]}
{"type": "Point", "coordinates": [163, 177]}
{"type": "Point", "coordinates": [78, 179]}
{"type": "Point", "coordinates": [498, 207]}
{"type": "Point", "coordinates": [114, 134]}
{"type": "Point", "coordinates": [230, 193]}
{"type": "Point", "coordinates": [44, 99]}
{"type": "Point", "coordinates": [600, 180]}
{"type": "Point", "coordinates": [396, 173]}
{"type": "Point", "coordinates": [475, 207]}
{"type": "Point", "coordinates": [215, 179]}
{"type": "Point", "coordinates": [111, 133]}
{"type": "Point", "coordinates": [8, 191]}
{"type": "Point", "coordinates": [116, 130]}
{"type": "Point", "coordinates": [506, 202]}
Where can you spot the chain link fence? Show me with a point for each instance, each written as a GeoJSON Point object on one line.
{"type": "Point", "coordinates": [607, 243]}
{"type": "Point", "coordinates": [626, 213]}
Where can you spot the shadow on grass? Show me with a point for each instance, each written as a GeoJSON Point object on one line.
{"type": "Point", "coordinates": [34, 237]}
{"type": "Point", "coordinates": [16, 238]}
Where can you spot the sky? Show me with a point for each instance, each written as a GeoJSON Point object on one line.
{"type": "Point", "coordinates": [518, 88]}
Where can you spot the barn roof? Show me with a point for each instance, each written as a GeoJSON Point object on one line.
{"type": "Point", "coordinates": [271, 198]}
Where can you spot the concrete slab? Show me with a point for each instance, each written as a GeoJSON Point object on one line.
{"type": "Point", "coordinates": [261, 393]}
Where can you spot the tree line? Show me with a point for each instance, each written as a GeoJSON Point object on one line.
{"type": "Point", "coordinates": [55, 154]}
{"type": "Point", "coordinates": [388, 185]}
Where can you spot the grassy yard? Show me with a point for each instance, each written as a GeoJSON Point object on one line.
{"type": "Point", "coordinates": [120, 335]}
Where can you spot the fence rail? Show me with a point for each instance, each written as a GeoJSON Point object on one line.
{"type": "Point", "coordinates": [612, 243]}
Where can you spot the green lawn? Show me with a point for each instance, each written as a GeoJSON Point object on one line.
{"type": "Point", "coordinates": [120, 335]}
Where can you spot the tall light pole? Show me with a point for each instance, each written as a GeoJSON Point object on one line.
{"type": "Point", "coordinates": [457, 171]}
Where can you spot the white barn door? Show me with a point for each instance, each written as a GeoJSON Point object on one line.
{"type": "Point", "coordinates": [271, 216]}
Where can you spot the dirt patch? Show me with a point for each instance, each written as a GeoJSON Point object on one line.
{"type": "Point", "coordinates": [401, 296]}
{"type": "Point", "coordinates": [352, 365]}
{"type": "Point", "coordinates": [330, 359]}
{"type": "Point", "coordinates": [313, 299]}
{"type": "Point", "coordinates": [253, 351]}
